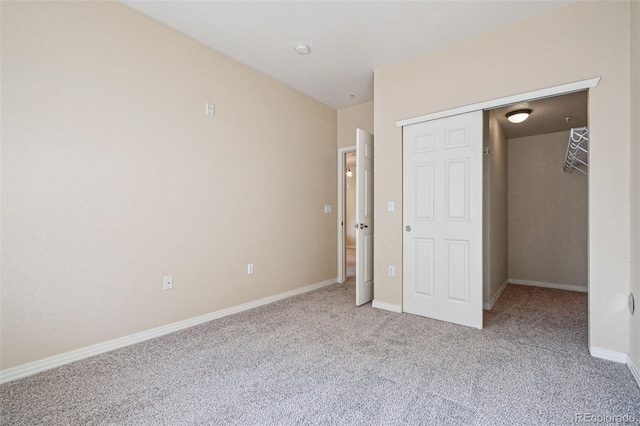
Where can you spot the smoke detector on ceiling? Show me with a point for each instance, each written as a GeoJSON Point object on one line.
{"type": "Point", "coordinates": [302, 49]}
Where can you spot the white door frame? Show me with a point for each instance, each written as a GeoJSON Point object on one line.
{"type": "Point", "coordinates": [342, 152]}
{"type": "Point", "coordinates": [563, 89]}
{"type": "Point", "coordinates": [500, 102]}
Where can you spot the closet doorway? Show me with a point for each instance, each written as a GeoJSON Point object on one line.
{"type": "Point", "coordinates": [494, 251]}
{"type": "Point", "coordinates": [535, 210]}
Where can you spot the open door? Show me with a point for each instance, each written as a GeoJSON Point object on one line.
{"type": "Point", "coordinates": [442, 219]}
{"type": "Point", "coordinates": [364, 217]}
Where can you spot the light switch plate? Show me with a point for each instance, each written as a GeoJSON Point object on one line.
{"type": "Point", "coordinates": [328, 208]}
{"type": "Point", "coordinates": [210, 110]}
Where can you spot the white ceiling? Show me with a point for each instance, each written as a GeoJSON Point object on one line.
{"type": "Point", "coordinates": [348, 39]}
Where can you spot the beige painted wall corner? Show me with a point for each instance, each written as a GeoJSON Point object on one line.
{"type": "Point", "coordinates": [113, 177]}
{"type": "Point", "coordinates": [634, 320]}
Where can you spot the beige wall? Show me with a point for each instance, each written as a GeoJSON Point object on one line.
{"type": "Point", "coordinates": [547, 213]}
{"type": "Point", "coordinates": [350, 119]}
{"type": "Point", "coordinates": [112, 177]}
{"type": "Point", "coordinates": [575, 42]}
{"type": "Point", "coordinates": [496, 221]}
{"type": "Point", "coordinates": [634, 332]}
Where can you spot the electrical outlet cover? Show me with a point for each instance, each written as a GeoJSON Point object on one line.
{"type": "Point", "coordinates": [168, 282]}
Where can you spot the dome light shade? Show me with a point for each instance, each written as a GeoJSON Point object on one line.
{"type": "Point", "coordinates": [518, 116]}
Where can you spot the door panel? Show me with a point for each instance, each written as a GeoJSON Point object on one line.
{"type": "Point", "coordinates": [424, 200]}
{"type": "Point", "coordinates": [424, 266]}
{"type": "Point", "coordinates": [442, 219]}
{"type": "Point", "coordinates": [457, 260]}
{"type": "Point", "coordinates": [457, 189]}
{"type": "Point", "coordinates": [364, 217]}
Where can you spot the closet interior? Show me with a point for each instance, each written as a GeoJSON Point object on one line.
{"type": "Point", "coordinates": [535, 207]}
{"type": "Point", "coordinates": [578, 151]}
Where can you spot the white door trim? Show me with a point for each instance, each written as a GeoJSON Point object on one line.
{"type": "Point", "coordinates": [500, 102]}
{"type": "Point", "coordinates": [342, 275]}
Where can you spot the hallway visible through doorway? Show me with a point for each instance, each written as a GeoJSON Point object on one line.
{"type": "Point", "coordinates": [351, 265]}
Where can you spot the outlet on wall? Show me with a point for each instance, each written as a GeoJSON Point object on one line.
{"type": "Point", "coordinates": [210, 110]}
{"type": "Point", "coordinates": [391, 271]}
{"type": "Point", "coordinates": [250, 269]}
{"type": "Point", "coordinates": [168, 282]}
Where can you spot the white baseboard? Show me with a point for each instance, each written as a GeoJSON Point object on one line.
{"type": "Point", "coordinates": [608, 355]}
{"type": "Point", "coordinates": [569, 287]}
{"type": "Point", "coordinates": [635, 370]}
{"type": "Point", "coordinates": [387, 306]}
{"type": "Point", "coordinates": [25, 370]}
{"type": "Point", "coordinates": [489, 306]}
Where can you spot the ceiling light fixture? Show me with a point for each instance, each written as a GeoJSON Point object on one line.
{"type": "Point", "coordinates": [518, 116]}
{"type": "Point", "coordinates": [302, 49]}
{"type": "Point", "coordinates": [349, 172]}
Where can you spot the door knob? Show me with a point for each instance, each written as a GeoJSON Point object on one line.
{"type": "Point", "coordinates": [362, 225]}
{"type": "Point", "coordinates": [408, 228]}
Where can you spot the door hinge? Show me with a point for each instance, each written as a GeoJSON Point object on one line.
{"type": "Point", "coordinates": [486, 150]}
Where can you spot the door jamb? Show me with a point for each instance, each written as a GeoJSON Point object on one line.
{"type": "Point", "coordinates": [562, 89]}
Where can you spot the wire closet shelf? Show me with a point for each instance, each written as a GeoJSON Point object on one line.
{"type": "Point", "coordinates": [578, 151]}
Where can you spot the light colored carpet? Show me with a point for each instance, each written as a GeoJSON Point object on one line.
{"type": "Point", "coordinates": [317, 359]}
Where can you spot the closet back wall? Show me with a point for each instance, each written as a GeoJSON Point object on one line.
{"type": "Point", "coordinates": [547, 213]}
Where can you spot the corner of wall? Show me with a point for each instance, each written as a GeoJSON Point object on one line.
{"type": "Point", "coordinates": [352, 118]}
{"type": "Point", "coordinates": [119, 162]}
{"type": "Point", "coordinates": [634, 320]}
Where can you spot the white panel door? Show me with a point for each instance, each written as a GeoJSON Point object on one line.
{"type": "Point", "coordinates": [442, 219]}
{"type": "Point", "coordinates": [364, 217]}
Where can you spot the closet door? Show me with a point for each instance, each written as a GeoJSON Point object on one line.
{"type": "Point", "coordinates": [442, 219]}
